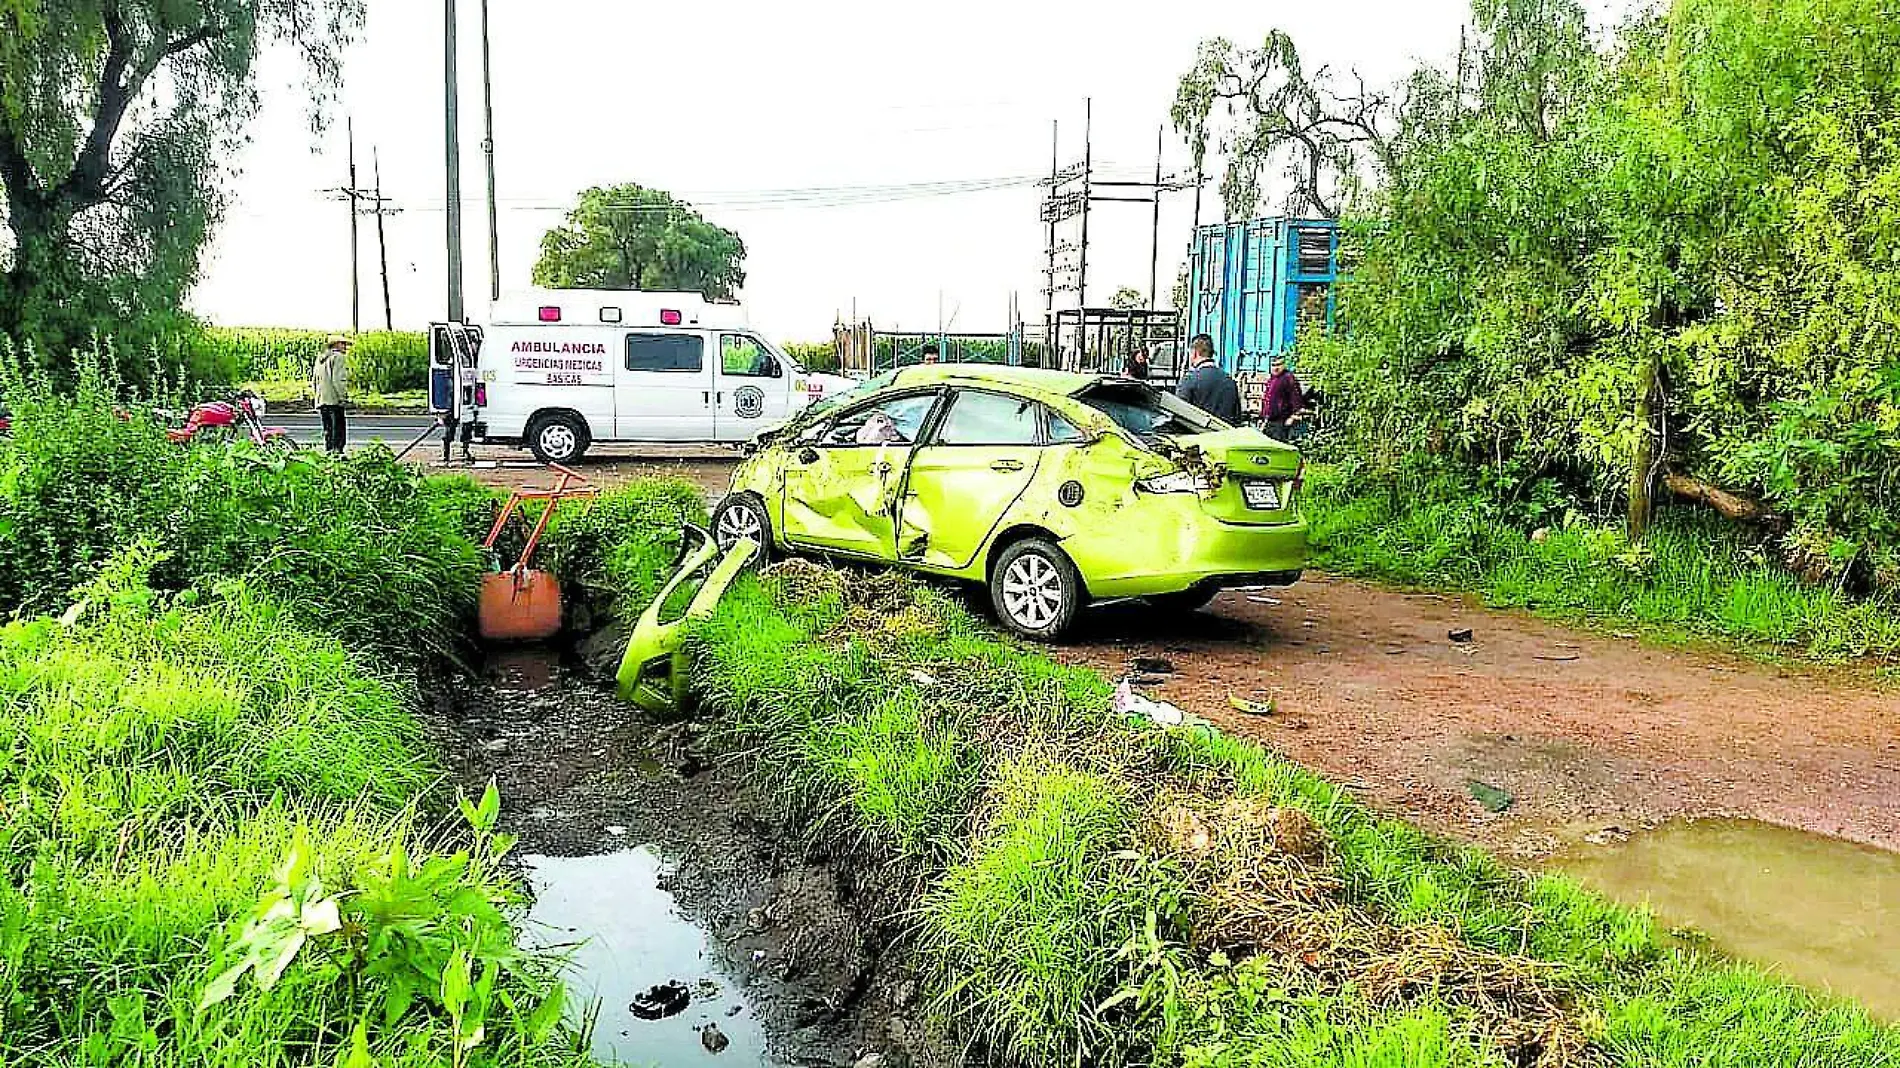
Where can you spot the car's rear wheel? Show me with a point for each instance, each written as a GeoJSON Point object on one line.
{"type": "Point", "coordinates": [739, 517]}
{"type": "Point", "coordinates": [1186, 602]}
{"type": "Point", "coordinates": [558, 439]}
{"type": "Point", "coordinates": [1036, 590]}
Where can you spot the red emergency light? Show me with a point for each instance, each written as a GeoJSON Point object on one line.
{"type": "Point", "coordinates": [550, 314]}
{"type": "Point", "coordinates": [669, 317]}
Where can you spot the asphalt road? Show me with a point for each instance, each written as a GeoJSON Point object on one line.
{"type": "Point", "coordinates": [393, 430]}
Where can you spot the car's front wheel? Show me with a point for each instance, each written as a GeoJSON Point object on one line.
{"type": "Point", "coordinates": [739, 517]}
{"type": "Point", "coordinates": [1036, 590]}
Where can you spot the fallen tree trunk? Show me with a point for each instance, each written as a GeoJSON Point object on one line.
{"type": "Point", "coordinates": [1734, 506]}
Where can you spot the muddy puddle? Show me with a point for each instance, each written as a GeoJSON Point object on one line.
{"type": "Point", "coordinates": [651, 863]}
{"type": "Point", "coordinates": [1821, 911]}
{"type": "Point", "coordinates": [623, 935]}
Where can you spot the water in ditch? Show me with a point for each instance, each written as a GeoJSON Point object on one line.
{"type": "Point", "coordinates": [1821, 911]}
{"type": "Point", "coordinates": [623, 935]}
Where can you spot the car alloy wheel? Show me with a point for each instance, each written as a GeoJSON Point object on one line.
{"type": "Point", "coordinates": [737, 523]}
{"type": "Point", "coordinates": [1032, 591]}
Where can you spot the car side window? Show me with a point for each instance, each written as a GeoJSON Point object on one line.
{"type": "Point", "coordinates": [990, 419]}
{"type": "Point", "coordinates": [1063, 432]}
{"type": "Point", "coordinates": [672, 353]}
{"type": "Point", "coordinates": [741, 356]}
{"type": "Point", "coordinates": [897, 421]}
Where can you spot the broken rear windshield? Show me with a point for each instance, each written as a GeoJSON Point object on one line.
{"type": "Point", "coordinates": [1144, 411]}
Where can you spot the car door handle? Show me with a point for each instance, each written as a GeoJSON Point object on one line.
{"type": "Point", "coordinates": [1007, 465]}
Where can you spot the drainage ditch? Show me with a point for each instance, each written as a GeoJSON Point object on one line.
{"type": "Point", "coordinates": [700, 931]}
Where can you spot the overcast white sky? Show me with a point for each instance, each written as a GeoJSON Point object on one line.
{"type": "Point", "coordinates": [728, 104]}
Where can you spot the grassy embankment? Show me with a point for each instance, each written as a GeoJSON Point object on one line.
{"type": "Point", "coordinates": [212, 764]}
{"type": "Point", "coordinates": [1106, 892]}
{"type": "Point", "coordinates": [1693, 578]}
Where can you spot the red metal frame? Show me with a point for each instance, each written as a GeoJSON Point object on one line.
{"type": "Point", "coordinates": [564, 488]}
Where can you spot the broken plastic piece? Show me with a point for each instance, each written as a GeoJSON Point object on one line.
{"type": "Point", "coordinates": [653, 672]}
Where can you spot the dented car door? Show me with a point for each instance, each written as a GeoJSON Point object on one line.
{"type": "Point", "coordinates": [980, 457]}
{"type": "Point", "coordinates": [842, 485]}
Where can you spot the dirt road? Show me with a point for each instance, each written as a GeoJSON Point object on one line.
{"type": "Point", "coordinates": [1584, 732]}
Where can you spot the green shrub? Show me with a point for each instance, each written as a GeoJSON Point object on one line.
{"type": "Point", "coordinates": [356, 546]}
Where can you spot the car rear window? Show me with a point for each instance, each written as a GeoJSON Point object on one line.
{"type": "Point", "coordinates": [1144, 411]}
{"type": "Point", "coordinates": [990, 419]}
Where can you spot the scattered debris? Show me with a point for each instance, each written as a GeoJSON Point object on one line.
{"type": "Point", "coordinates": [1394, 650]}
{"type": "Point", "coordinates": [1253, 708]}
{"type": "Point", "coordinates": [616, 830]}
{"type": "Point", "coordinates": [1462, 635]}
{"type": "Point", "coordinates": [715, 1040]}
{"type": "Point", "coordinates": [1147, 680]}
{"type": "Point", "coordinates": [1130, 703]}
{"type": "Point", "coordinates": [1152, 665]}
{"type": "Point", "coordinates": [870, 1060]}
{"type": "Point", "coordinates": [1492, 798]}
{"type": "Point", "coordinates": [1540, 535]}
{"type": "Point", "coordinates": [1265, 600]}
{"type": "Point", "coordinates": [922, 677]}
{"type": "Point", "coordinates": [661, 1001]}
{"type": "Point", "coordinates": [1560, 657]}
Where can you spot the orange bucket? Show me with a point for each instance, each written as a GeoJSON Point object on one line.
{"type": "Point", "coordinates": [518, 606]}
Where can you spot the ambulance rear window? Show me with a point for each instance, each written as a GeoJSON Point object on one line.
{"type": "Point", "coordinates": [677, 353]}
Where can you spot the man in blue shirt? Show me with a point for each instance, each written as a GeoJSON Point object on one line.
{"type": "Point", "coordinates": [1206, 386]}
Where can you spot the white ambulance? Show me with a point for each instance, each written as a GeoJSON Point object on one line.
{"type": "Point", "coordinates": [556, 371]}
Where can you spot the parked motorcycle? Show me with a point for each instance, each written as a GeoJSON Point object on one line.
{"type": "Point", "coordinates": [224, 420]}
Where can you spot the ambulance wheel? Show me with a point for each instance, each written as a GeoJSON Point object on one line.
{"type": "Point", "coordinates": [739, 517]}
{"type": "Point", "coordinates": [558, 439]}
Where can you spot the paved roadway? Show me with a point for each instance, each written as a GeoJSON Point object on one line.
{"type": "Point", "coordinates": [393, 430]}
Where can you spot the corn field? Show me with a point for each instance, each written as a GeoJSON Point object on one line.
{"type": "Point", "coordinates": [381, 361]}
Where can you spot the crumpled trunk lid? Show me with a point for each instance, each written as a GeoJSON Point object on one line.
{"type": "Point", "coordinates": [1248, 477]}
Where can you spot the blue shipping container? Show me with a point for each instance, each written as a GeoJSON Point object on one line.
{"type": "Point", "coordinates": [1250, 285]}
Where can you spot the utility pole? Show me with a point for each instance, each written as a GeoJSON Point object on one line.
{"type": "Point", "coordinates": [488, 150]}
{"type": "Point", "coordinates": [1154, 236]}
{"type": "Point", "coordinates": [1049, 309]}
{"type": "Point", "coordinates": [452, 160]}
{"type": "Point", "coordinates": [1087, 173]}
{"type": "Point", "coordinates": [382, 245]}
{"type": "Point", "coordinates": [356, 289]}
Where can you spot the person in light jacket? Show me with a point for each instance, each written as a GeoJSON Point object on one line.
{"type": "Point", "coordinates": [330, 385]}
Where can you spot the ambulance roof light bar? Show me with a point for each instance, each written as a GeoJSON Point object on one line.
{"type": "Point", "coordinates": [669, 317]}
{"type": "Point", "coordinates": [550, 313]}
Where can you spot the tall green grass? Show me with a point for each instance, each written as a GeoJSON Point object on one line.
{"type": "Point", "coordinates": [380, 361]}
{"type": "Point", "coordinates": [892, 724]}
{"type": "Point", "coordinates": [362, 547]}
{"type": "Point", "coordinates": [1693, 577]}
{"type": "Point", "coordinates": [161, 759]}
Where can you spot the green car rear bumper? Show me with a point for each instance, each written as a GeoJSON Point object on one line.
{"type": "Point", "coordinates": [1195, 550]}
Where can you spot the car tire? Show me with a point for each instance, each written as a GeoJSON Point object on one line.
{"type": "Point", "coordinates": [1036, 590]}
{"type": "Point", "coordinates": [558, 439]}
{"type": "Point", "coordinates": [1185, 603]}
{"type": "Point", "coordinates": [742, 515]}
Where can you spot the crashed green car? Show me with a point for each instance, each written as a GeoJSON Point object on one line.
{"type": "Point", "coordinates": [1053, 489]}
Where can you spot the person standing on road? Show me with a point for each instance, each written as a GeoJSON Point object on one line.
{"type": "Point", "coordinates": [1206, 385]}
{"type": "Point", "coordinates": [1282, 403]}
{"type": "Point", "coordinates": [330, 385]}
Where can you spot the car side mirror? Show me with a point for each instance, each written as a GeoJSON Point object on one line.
{"type": "Point", "coordinates": [808, 455]}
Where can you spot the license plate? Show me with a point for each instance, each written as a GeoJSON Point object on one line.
{"type": "Point", "coordinates": [1263, 496]}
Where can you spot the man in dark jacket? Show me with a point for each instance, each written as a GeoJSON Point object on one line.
{"type": "Point", "coordinates": [1206, 386]}
{"type": "Point", "coordinates": [1283, 401]}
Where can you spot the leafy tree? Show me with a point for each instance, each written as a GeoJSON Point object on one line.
{"type": "Point", "coordinates": [1127, 298]}
{"type": "Point", "coordinates": [116, 117]}
{"type": "Point", "coordinates": [631, 237]}
{"type": "Point", "coordinates": [1593, 275]}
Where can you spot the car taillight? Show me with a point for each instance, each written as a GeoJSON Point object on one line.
{"type": "Point", "coordinates": [550, 314]}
